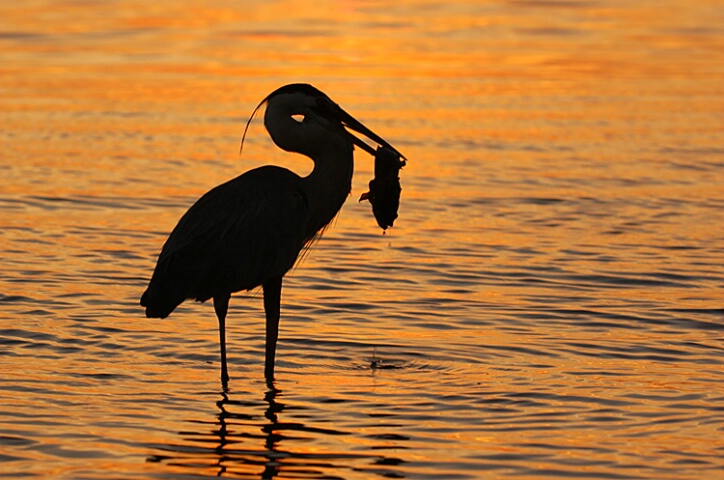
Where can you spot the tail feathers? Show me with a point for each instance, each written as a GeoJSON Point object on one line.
{"type": "Point", "coordinates": [159, 305]}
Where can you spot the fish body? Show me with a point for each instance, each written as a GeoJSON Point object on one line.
{"type": "Point", "coordinates": [385, 189]}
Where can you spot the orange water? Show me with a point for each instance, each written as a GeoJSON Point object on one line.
{"type": "Point", "coordinates": [548, 304]}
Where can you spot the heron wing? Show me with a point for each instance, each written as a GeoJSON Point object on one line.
{"type": "Point", "coordinates": [236, 236]}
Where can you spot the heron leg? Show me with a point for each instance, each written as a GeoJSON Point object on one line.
{"type": "Point", "coordinates": [272, 300]}
{"type": "Point", "coordinates": [221, 306]}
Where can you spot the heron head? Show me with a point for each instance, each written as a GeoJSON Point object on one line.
{"type": "Point", "coordinates": [297, 111]}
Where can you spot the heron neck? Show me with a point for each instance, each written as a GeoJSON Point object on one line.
{"type": "Point", "coordinates": [328, 186]}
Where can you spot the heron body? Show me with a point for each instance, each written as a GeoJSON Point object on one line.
{"type": "Point", "coordinates": [249, 231]}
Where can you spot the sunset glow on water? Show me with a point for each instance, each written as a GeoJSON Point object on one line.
{"type": "Point", "coordinates": [548, 303]}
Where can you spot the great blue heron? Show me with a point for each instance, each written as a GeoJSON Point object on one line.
{"type": "Point", "coordinates": [250, 230]}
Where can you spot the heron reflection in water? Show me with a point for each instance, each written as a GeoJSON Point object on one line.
{"type": "Point", "coordinates": [255, 438]}
{"type": "Point", "coordinates": [249, 231]}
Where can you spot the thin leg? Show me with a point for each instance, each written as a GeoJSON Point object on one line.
{"type": "Point", "coordinates": [221, 305]}
{"type": "Point", "coordinates": [272, 301]}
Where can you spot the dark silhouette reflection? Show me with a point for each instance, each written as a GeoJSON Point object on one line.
{"type": "Point", "coordinates": [261, 445]}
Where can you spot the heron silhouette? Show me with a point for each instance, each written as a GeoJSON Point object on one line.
{"type": "Point", "coordinates": [249, 231]}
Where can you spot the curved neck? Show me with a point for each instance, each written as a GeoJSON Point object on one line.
{"type": "Point", "coordinates": [330, 182]}
{"type": "Point", "coordinates": [322, 140]}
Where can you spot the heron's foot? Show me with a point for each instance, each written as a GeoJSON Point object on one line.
{"type": "Point", "coordinates": [269, 373]}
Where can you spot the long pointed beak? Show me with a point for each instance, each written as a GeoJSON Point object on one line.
{"type": "Point", "coordinates": [351, 123]}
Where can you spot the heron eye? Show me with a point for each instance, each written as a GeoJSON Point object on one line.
{"type": "Point", "coordinates": [298, 117]}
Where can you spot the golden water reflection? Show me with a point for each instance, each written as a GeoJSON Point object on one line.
{"type": "Point", "coordinates": [548, 302]}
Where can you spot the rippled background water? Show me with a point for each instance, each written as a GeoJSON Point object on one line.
{"type": "Point", "coordinates": [548, 304]}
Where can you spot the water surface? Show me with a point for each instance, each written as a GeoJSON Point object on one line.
{"type": "Point", "coordinates": [548, 304]}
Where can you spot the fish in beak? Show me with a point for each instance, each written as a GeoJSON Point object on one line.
{"type": "Point", "coordinates": [385, 189]}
